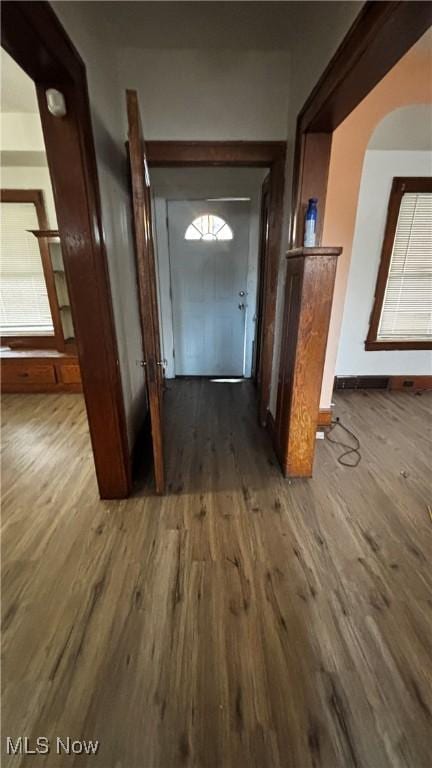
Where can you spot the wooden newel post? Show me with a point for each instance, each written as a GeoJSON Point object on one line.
{"type": "Point", "coordinates": [308, 299]}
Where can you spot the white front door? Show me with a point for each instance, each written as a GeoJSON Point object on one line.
{"type": "Point", "coordinates": [209, 266]}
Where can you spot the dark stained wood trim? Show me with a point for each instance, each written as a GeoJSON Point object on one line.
{"type": "Point", "coordinates": [313, 151]}
{"type": "Point", "coordinates": [214, 153]}
{"type": "Point", "coordinates": [29, 342]}
{"type": "Point", "coordinates": [386, 346]}
{"type": "Point", "coordinates": [262, 265]}
{"type": "Point", "coordinates": [380, 35]}
{"type": "Point", "coordinates": [409, 383]}
{"type": "Point", "coordinates": [146, 271]}
{"type": "Point", "coordinates": [25, 196]}
{"type": "Point", "coordinates": [268, 319]}
{"type": "Point", "coordinates": [11, 389]}
{"type": "Point", "coordinates": [34, 37]}
{"type": "Point", "coordinates": [400, 185]}
{"type": "Point", "coordinates": [405, 383]}
{"type": "Point", "coordinates": [48, 233]}
{"type": "Point", "coordinates": [35, 196]}
{"type": "Point", "coordinates": [261, 154]}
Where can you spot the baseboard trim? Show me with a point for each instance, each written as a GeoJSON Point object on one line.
{"type": "Point", "coordinates": [325, 416]}
{"type": "Point", "coordinates": [410, 383]}
{"type": "Point", "coordinates": [400, 383]}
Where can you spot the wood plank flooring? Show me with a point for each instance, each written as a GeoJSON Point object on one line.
{"type": "Point", "coordinates": [241, 620]}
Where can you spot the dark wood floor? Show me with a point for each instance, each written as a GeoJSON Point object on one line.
{"type": "Point", "coordinates": [239, 621]}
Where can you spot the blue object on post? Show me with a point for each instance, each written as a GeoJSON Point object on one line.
{"type": "Point", "coordinates": [311, 223]}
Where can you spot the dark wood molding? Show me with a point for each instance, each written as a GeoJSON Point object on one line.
{"type": "Point", "coordinates": [48, 233]}
{"type": "Point", "coordinates": [308, 298]}
{"type": "Point", "coordinates": [405, 383]}
{"type": "Point", "coordinates": [381, 34]}
{"type": "Point", "coordinates": [409, 383]}
{"type": "Point", "coordinates": [261, 154]}
{"type": "Point", "coordinates": [386, 346]}
{"type": "Point", "coordinates": [29, 342]}
{"type": "Point", "coordinates": [147, 282]}
{"type": "Point", "coordinates": [400, 185]}
{"type": "Point", "coordinates": [214, 153]}
{"type": "Point", "coordinates": [34, 37]}
{"type": "Point", "coordinates": [262, 268]}
{"type": "Point", "coordinates": [313, 159]}
{"type": "Point", "coordinates": [35, 196]}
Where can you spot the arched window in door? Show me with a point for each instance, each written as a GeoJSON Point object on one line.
{"type": "Point", "coordinates": [209, 227]}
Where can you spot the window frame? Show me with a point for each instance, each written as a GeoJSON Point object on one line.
{"type": "Point", "coordinates": [400, 185]}
{"type": "Point", "coordinates": [56, 341]}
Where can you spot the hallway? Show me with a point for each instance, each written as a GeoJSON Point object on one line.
{"type": "Point", "coordinates": [238, 621]}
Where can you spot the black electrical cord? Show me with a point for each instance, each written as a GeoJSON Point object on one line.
{"type": "Point", "coordinates": [349, 449]}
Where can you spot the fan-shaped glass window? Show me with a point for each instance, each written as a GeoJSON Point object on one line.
{"type": "Point", "coordinates": [209, 227]}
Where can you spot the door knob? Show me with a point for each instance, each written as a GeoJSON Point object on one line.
{"type": "Point", "coordinates": [242, 306]}
{"type": "Point", "coordinates": [242, 293]}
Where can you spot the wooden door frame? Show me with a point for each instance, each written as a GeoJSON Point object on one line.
{"type": "Point", "coordinates": [262, 257]}
{"type": "Point", "coordinates": [241, 154]}
{"type": "Point", "coordinates": [34, 37]}
{"type": "Point", "coordinates": [380, 35]}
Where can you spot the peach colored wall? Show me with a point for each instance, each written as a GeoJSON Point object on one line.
{"type": "Point", "coordinates": [409, 82]}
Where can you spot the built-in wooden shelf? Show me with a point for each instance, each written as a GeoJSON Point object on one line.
{"type": "Point", "coordinates": [60, 302]}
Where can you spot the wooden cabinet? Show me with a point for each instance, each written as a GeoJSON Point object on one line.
{"type": "Point", "coordinates": [69, 373]}
{"type": "Point", "coordinates": [308, 299]}
{"type": "Point", "coordinates": [39, 371]}
{"type": "Point", "coordinates": [17, 372]}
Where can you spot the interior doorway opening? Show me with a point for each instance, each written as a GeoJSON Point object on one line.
{"type": "Point", "coordinates": [269, 158]}
{"type": "Point", "coordinates": [208, 235]}
{"type": "Point", "coordinates": [33, 37]}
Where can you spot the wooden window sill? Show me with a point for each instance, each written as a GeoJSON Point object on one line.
{"type": "Point", "coordinates": [382, 346]}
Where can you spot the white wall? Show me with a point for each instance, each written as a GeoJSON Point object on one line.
{"type": "Point", "coordinates": [21, 131]}
{"type": "Point", "coordinates": [209, 94]}
{"type": "Point", "coordinates": [23, 158]}
{"type": "Point", "coordinates": [196, 184]}
{"type": "Point", "coordinates": [380, 166]}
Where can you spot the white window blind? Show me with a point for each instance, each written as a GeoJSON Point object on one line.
{"type": "Point", "coordinates": [406, 313]}
{"type": "Point", "coordinates": [24, 306]}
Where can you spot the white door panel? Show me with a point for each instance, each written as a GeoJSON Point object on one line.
{"type": "Point", "coordinates": [206, 280]}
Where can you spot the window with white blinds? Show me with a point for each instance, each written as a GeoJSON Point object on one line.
{"type": "Point", "coordinates": [24, 306]}
{"type": "Point", "coordinates": [406, 313]}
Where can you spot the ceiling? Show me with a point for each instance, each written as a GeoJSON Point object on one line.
{"type": "Point", "coordinates": [18, 93]}
{"type": "Point", "coordinates": [209, 25]}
